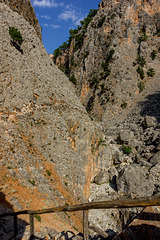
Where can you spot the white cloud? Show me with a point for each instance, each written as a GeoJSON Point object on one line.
{"type": "Point", "coordinates": [71, 13]}
{"type": "Point", "coordinates": [47, 3]}
{"type": "Point", "coordinates": [55, 26]}
{"type": "Point", "coordinates": [46, 17]}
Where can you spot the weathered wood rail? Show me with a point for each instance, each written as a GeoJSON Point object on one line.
{"type": "Point", "coordinates": [120, 203]}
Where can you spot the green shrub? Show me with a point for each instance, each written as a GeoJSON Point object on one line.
{"type": "Point", "coordinates": [141, 61]}
{"type": "Point", "coordinates": [126, 149]}
{"type": "Point", "coordinates": [150, 72]}
{"type": "Point", "coordinates": [56, 53]}
{"type": "Point", "coordinates": [94, 81]}
{"type": "Point", "coordinates": [48, 173]}
{"type": "Point", "coordinates": [153, 54]}
{"type": "Point", "coordinates": [101, 21]}
{"type": "Point", "coordinates": [142, 38]}
{"type": "Point", "coordinates": [15, 35]}
{"type": "Point", "coordinates": [140, 86]}
{"type": "Point", "coordinates": [105, 64]}
{"type": "Point", "coordinates": [140, 71]}
{"type": "Point", "coordinates": [124, 105]}
{"type": "Point", "coordinates": [73, 79]}
{"type": "Point", "coordinates": [32, 182]}
{"type": "Point", "coordinates": [37, 217]}
{"type": "Point", "coordinates": [88, 19]}
{"type": "Point", "coordinates": [86, 54]}
{"type": "Point", "coordinates": [79, 41]}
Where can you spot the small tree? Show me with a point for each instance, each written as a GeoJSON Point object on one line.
{"type": "Point", "coordinates": [153, 54]}
{"type": "Point", "coordinates": [15, 35]}
{"type": "Point", "coordinates": [150, 72]}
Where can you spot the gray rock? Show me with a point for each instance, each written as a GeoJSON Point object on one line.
{"type": "Point", "coordinates": [155, 159]}
{"type": "Point", "coordinates": [151, 121]}
{"type": "Point", "coordinates": [126, 136]}
{"type": "Point", "coordinates": [158, 147]}
{"type": "Point", "coordinates": [135, 180]}
{"type": "Point", "coordinates": [102, 177]}
{"type": "Point", "coordinates": [116, 155]}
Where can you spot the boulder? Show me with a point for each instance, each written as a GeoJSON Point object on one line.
{"type": "Point", "coordinates": [116, 155]}
{"type": "Point", "coordinates": [155, 159]}
{"type": "Point", "coordinates": [135, 180]}
{"type": "Point", "coordinates": [151, 121]}
{"type": "Point", "coordinates": [126, 136]}
{"type": "Point", "coordinates": [102, 177]}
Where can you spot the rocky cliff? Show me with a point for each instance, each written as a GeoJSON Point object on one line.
{"type": "Point", "coordinates": [113, 60]}
{"type": "Point", "coordinates": [51, 152]}
{"type": "Point", "coordinates": [25, 9]}
{"type": "Point", "coordinates": [47, 138]}
{"type": "Point", "coordinates": [112, 56]}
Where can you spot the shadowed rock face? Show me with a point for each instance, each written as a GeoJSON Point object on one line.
{"type": "Point", "coordinates": [146, 226]}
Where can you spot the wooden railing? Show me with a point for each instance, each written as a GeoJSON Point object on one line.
{"type": "Point", "coordinates": [120, 203]}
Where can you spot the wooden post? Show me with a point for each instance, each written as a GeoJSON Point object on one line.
{"type": "Point", "coordinates": [85, 225]}
{"type": "Point", "coordinates": [15, 225]}
{"type": "Point", "coordinates": [31, 220]}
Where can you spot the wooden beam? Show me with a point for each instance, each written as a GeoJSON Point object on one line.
{"type": "Point", "coordinates": [85, 225]}
{"type": "Point", "coordinates": [99, 231]}
{"type": "Point", "coordinates": [13, 213]}
{"type": "Point", "coordinates": [31, 221]}
{"type": "Point", "coordinates": [120, 203]}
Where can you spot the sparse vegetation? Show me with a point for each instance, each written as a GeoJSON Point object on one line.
{"type": "Point", "coordinates": [140, 86]}
{"type": "Point", "coordinates": [93, 81]}
{"type": "Point", "coordinates": [48, 173]}
{"type": "Point", "coordinates": [141, 61]}
{"type": "Point", "coordinates": [77, 33]}
{"type": "Point", "coordinates": [105, 64]}
{"type": "Point", "coordinates": [15, 35]}
{"type": "Point", "coordinates": [73, 79]}
{"type": "Point", "coordinates": [32, 182]}
{"type": "Point", "coordinates": [143, 37]}
{"type": "Point", "coordinates": [38, 217]}
{"type": "Point", "coordinates": [126, 149]}
{"type": "Point", "coordinates": [153, 54]}
{"type": "Point", "coordinates": [123, 105]}
{"type": "Point", "coordinates": [101, 21]}
{"type": "Point", "coordinates": [150, 72]}
{"type": "Point", "coordinates": [140, 71]}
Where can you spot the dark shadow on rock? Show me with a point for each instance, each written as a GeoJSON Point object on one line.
{"type": "Point", "coordinates": [149, 216]}
{"type": "Point", "coordinates": [139, 232]}
{"type": "Point", "coordinates": [145, 227]}
{"type": "Point", "coordinates": [151, 106]}
{"type": "Point", "coordinates": [17, 46]}
{"type": "Point", "coordinates": [7, 223]}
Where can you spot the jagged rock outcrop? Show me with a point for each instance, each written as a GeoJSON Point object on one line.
{"type": "Point", "coordinates": [25, 9]}
{"type": "Point", "coordinates": [113, 57]}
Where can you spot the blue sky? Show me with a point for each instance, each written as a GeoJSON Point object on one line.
{"type": "Point", "coordinates": [57, 17]}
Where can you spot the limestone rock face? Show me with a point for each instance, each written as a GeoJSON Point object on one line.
{"type": "Point", "coordinates": [112, 60]}
{"type": "Point", "coordinates": [25, 9]}
{"type": "Point", "coordinates": [49, 147]}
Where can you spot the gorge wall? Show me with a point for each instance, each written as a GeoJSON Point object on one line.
{"type": "Point", "coordinates": [51, 152]}
{"type": "Point", "coordinates": [47, 138]}
{"type": "Point", "coordinates": [111, 58]}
